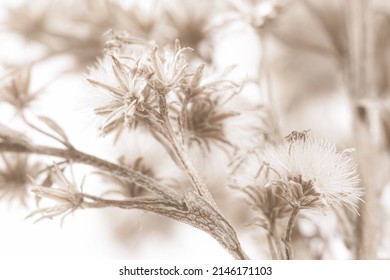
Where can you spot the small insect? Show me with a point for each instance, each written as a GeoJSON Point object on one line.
{"type": "Point", "coordinates": [297, 136]}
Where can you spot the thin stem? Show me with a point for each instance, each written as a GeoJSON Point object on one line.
{"type": "Point", "coordinates": [289, 229]}
{"type": "Point", "coordinates": [273, 216]}
{"type": "Point", "coordinates": [44, 132]}
{"type": "Point", "coordinates": [196, 180]}
{"type": "Point", "coordinates": [183, 118]}
{"type": "Point", "coordinates": [178, 149]}
{"type": "Point", "coordinates": [209, 221]}
{"type": "Point", "coordinates": [147, 204]}
{"type": "Point", "coordinates": [272, 246]}
{"type": "Point", "coordinates": [277, 247]}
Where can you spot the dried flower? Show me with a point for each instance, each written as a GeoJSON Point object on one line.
{"type": "Point", "coordinates": [15, 89]}
{"type": "Point", "coordinates": [253, 181]}
{"type": "Point", "coordinates": [215, 112]}
{"type": "Point", "coordinates": [204, 108]}
{"type": "Point", "coordinates": [67, 196]}
{"type": "Point", "coordinates": [126, 88]}
{"type": "Point", "coordinates": [313, 172]}
{"type": "Point", "coordinates": [14, 176]}
{"type": "Point", "coordinates": [267, 202]}
{"type": "Point", "coordinates": [206, 118]}
{"type": "Point", "coordinates": [136, 80]}
{"type": "Point", "coordinates": [168, 67]}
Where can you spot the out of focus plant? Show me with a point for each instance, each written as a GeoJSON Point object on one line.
{"type": "Point", "coordinates": [154, 72]}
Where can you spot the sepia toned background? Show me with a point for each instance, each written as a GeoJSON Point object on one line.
{"type": "Point", "coordinates": [313, 65]}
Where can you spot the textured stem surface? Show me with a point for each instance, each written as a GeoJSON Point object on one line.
{"type": "Point", "coordinates": [192, 208]}
{"type": "Point", "coordinates": [289, 229]}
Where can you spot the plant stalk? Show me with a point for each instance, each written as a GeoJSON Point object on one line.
{"type": "Point", "coordinates": [289, 229]}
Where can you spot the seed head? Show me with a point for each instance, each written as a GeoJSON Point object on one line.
{"type": "Point", "coordinates": [125, 86]}
{"type": "Point", "coordinates": [65, 194]}
{"type": "Point", "coordinates": [313, 172]}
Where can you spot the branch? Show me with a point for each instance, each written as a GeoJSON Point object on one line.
{"type": "Point", "coordinates": [197, 212]}
{"type": "Point", "coordinates": [74, 155]}
{"type": "Point", "coordinates": [289, 229]}
{"type": "Point", "coordinates": [191, 209]}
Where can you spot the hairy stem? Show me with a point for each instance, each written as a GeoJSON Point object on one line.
{"type": "Point", "coordinates": [196, 181]}
{"type": "Point", "coordinates": [193, 174]}
{"type": "Point", "coordinates": [199, 214]}
{"type": "Point", "coordinates": [192, 208]}
{"type": "Point", "coordinates": [289, 229]}
{"type": "Point", "coordinates": [272, 246]}
{"type": "Point", "coordinates": [274, 238]}
{"type": "Point", "coordinates": [77, 156]}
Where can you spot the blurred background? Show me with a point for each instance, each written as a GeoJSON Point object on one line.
{"type": "Point", "coordinates": [307, 64]}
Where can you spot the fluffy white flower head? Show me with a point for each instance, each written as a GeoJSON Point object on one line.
{"type": "Point", "coordinates": [310, 161]}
